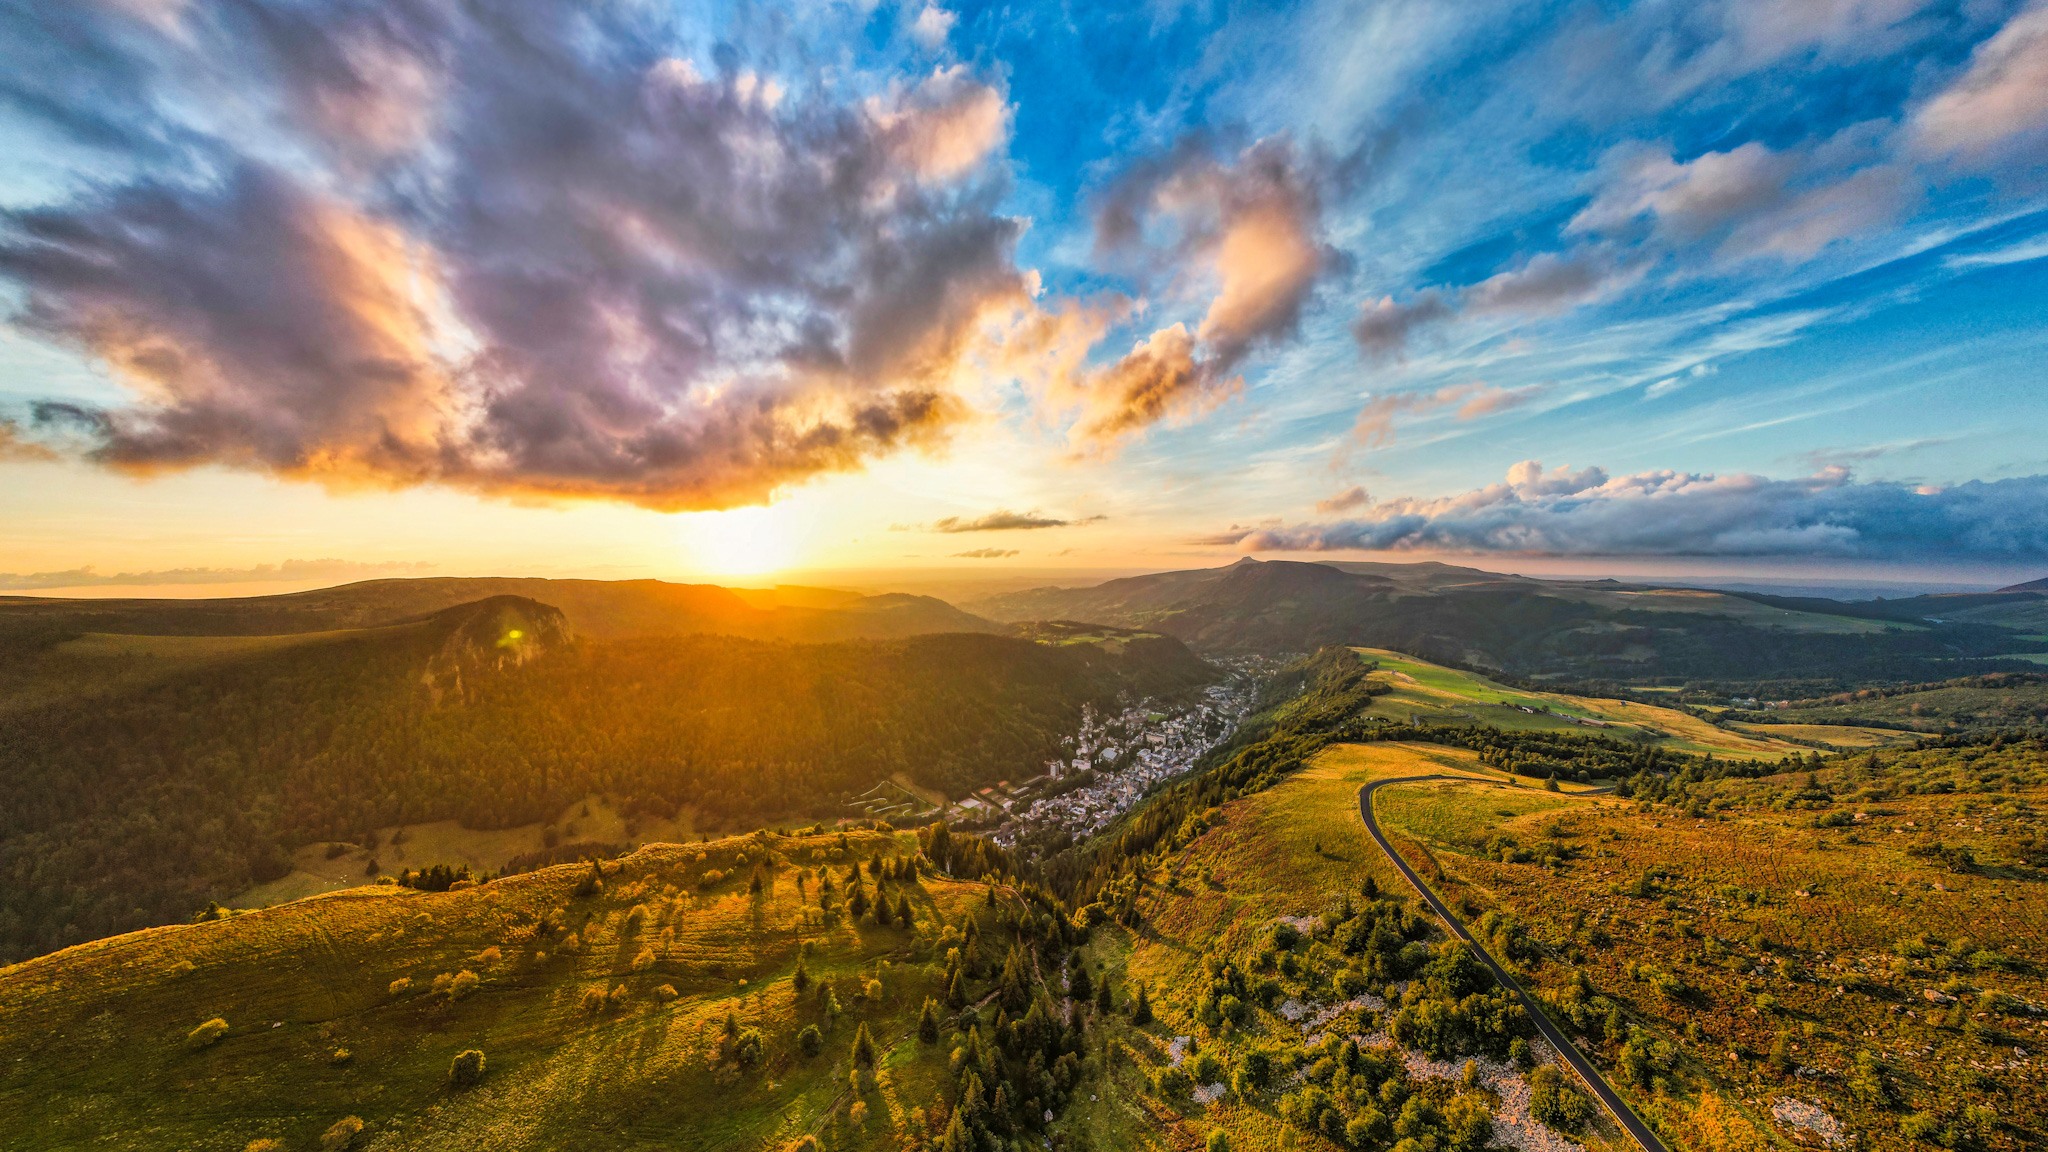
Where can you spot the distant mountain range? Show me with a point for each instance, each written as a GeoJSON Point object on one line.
{"type": "Point", "coordinates": [597, 609]}
{"type": "Point", "coordinates": [1530, 626]}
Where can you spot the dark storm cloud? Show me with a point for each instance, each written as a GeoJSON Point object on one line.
{"type": "Point", "coordinates": [1588, 513]}
{"type": "Point", "coordinates": [529, 248]}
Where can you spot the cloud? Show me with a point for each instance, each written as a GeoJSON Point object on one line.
{"type": "Point", "coordinates": [1546, 284]}
{"type": "Point", "coordinates": [2002, 96]}
{"type": "Point", "coordinates": [1005, 520]}
{"type": "Point", "coordinates": [1345, 501]}
{"type": "Point", "coordinates": [932, 26]}
{"type": "Point", "coordinates": [986, 554]}
{"type": "Point", "coordinates": [1383, 327]}
{"type": "Point", "coordinates": [1664, 513]}
{"type": "Point", "coordinates": [1821, 459]}
{"type": "Point", "coordinates": [1244, 228]}
{"type": "Point", "coordinates": [290, 570]}
{"type": "Point", "coordinates": [1375, 423]}
{"type": "Point", "coordinates": [520, 250]}
{"type": "Point", "coordinates": [1670, 384]}
{"type": "Point", "coordinates": [15, 450]}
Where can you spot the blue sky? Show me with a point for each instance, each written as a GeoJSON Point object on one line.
{"type": "Point", "coordinates": [1760, 286]}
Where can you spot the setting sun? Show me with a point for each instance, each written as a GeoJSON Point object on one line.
{"type": "Point", "coordinates": [742, 542]}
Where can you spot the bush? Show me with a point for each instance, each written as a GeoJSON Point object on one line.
{"type": "Point", "coordinates": [593, 1000]}
{"type": "Point", "coordinates": [264, 1145]}
{"type": "Point", "coordinates": [340, 1056]}
{"type": "Point", "coordinates": [467, 1068]}
{"type": "Point", "coordinates": [399, 985]}
{"type": "Point", "coordinates": [342, 1134]}
{"type": "Point", "coordinates": [207, 1033]}
{"type": "Point", "coordinates": [1218, 1141]}
{"type": "Point", "coordinates": [462, 984]}
{"type": "Point", "coordinates": [810, 1041]}
{"type": "Point", "coordinates": [182, 968]}
{"type": "Point", "coordinates": [644, 960]}
{"type": "Point", "coordinates": [666, 993]}
{"type": "Point", "coordinates": [1554, 1101]}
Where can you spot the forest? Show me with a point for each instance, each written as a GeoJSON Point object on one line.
{"type": "Point", "coordinates": [136, 809]}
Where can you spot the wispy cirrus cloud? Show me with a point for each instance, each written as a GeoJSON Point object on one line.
{"type": "Point", "coordinates": [985, 554]}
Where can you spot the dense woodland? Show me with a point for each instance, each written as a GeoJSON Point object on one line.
{"type": "Point", "coordinates": [135, 810]}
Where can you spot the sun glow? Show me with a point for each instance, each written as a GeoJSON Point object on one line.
{"type": "Point", "coordinates": [742, 542]}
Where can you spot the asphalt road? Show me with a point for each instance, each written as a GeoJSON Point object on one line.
{"type": "Point", "coordinates": [1622, 1113]}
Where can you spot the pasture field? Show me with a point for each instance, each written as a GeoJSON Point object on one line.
{"type": "Point", "coordinates": [1935, 710]}
{"type": "Point", "coordinates": [1833, 735]}
{"type": "Point", "coordinates": [1448, 696]}
{"type": "Point", "coordinates": [600, 1014]}
{"type": "Point", "coordinates": [1737, 608]}
{"type": "Point", "coordinates": [1868, 940]}
{"type": "Point", "coordinates": [593, 820]}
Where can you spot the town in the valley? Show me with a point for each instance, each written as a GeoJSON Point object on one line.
{"type": "Point", "coordinates": [1107, 766]}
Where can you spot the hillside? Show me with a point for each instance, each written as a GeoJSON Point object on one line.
{"type": "Point", "coordinates": [1751, 957]}
{"type": "Point", "coordinates": [1519, 625]}
{"type": "Point", "coordinates": [600, 1009]}
{"type": "Point", "coordinates": [138, 805]}
{"type": "Point", "coordinates": [600, 609]}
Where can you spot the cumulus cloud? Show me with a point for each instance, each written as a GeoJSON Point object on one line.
{"type": "Point", "coordinates": [932, 26]}
{"type": "Point", "coordinates": [1245, 229]}
{"type": "Point", "coordinates": [290, 570]}
{"type": "Point", "coordinates": [1562, 512]}
{"type": "Point", "coordinates": [520, 250]}
{"type": "Point", "coordinates": [1352, 497]}
{"type": "Point", "coordinates": [1005, 521]}
{"type": "Point", "coordinates": [2002, 97]}
{"type": "Point", "coordinates": [986, 554]}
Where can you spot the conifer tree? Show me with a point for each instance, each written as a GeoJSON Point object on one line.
{"type": "Point", "coordinates": [905, 915]}
{"type": "Point", "coordinates": [956, 990]}
{"type": "Point", "coordinates": [754, 885]}
{"type": "Point", "coordinates": [881, 909]}
{"type": "Point", "coordinates": [1104, 1000]}
{"type": "Point", "coordinates": [1014, 991]}
{"type": "Point", "coordinates": [1079, 986]}
{"type": "Point", "coordinates": [1141, 1007]}
{"type": "Point", "coordinates": [864, 1046]}
{"type": "Point", "coordinates": [928, 1023]}
{"type": "Point", "coordinates": [802, 978]}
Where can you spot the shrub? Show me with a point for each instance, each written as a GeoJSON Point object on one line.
{"type": "Point", "coordinates": [342, 1134]}
{"type": "Point", "coordinates": [747, 1050]}
{"type": "Point", "coordinates": [570, 945]}
{"type": "Point", "coordinates": [858, 1114]}
{"type": "Point", "coordinates": [644, 960]}
{"type": "Point", "coordinates": [593, 1000]}
{"type": "Point", "coordinates": [1218, 1141]}
{"type": "Point", "coordinates": [182, 968]}
{"type": "Point", "coordinates": [490, 955]}
{"type": "Point", "coordinates": [1554, 1101]}
{"type": "Point", "coordinates": [467, 1068]}
{"type": "Point", "coordinates": [666, 993]}
{"type": "Point", "coordinates": [462, 984]}
{"type": "Point", "coordinates": [810, 1041]}
{"type": "Point", "coordinates": [207, 1033]}
{"type": "Point", "coordinates": [399, 985]}
{"type": "Point", "coordinates": [264, 1145]}
{"type": "Point", "coordinates": [341, 1056]}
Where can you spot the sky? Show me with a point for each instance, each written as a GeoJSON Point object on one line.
{"type": "Point", "coordinates": [300, 291]}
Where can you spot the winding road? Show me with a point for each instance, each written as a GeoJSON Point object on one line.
{"type": "Point", "coordinates": [1616, 1106]}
